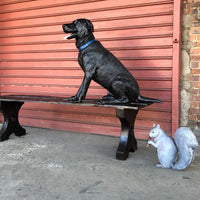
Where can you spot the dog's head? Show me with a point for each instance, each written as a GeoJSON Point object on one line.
{"type": "Point", "coordinates": [79, 28]}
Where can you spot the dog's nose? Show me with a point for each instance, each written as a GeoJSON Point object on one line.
{"type": "Point", "coordinates": [63, 26]}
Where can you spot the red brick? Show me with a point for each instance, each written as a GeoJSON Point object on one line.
{"type": "Point", "coordinates": [195, 51]}
{"type": "Point", "coordinates": [194, 111]}
{"type": "Point", "coordinates": [192, 117]}
{"type": "Point", "coordinates": [194, 38]}
{"type": "Point", "coordinates": [195, 24]}
{"type": "Point", "coordinates": [195, 44]}
{"type": "Point", "coordinates": [194, 85]}
{"type": "Point", "coordinates": [193, 92]}
{"type": "Point", "coordinates": [195, 98]}
{"type": "Point", "coordinates": [195, 57]}
{"type": "Point", "coordinates": [186, 11]}
{"type": "Point", "coordinates": [194, 64]}
{"type": "Point", "coordinates": [195, 30]}
{"type": "Point", "coordinates": [191, 8]}
{"type": "Point", "coordinates": [195, 71]}
{"type": "Point", "coordinates": [193, 78]}
{"type": "Point", "coordinates": [197, 3]}
{"type": "Point", "coordinates": [194, 104]}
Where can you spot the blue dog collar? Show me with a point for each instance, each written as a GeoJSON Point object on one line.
{"type": "Point", "coordinates": [85, 45]}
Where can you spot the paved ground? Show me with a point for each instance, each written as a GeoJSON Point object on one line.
{"type": "Point", "coordinates": [57, 165]}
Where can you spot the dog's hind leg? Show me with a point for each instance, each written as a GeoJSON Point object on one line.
{"type": "Point", "coordinates": [114, 101]}
{"type": "Point", "coordinates": [109, 96]}
{"type": "Point", "coordinates": [111, 99]}
{"type": "Point", "coordinates": [119, 92]}
{"type": "Point", "coordinates": [116, 95]}
{"type": "Point", "coordinates": [122, 100]}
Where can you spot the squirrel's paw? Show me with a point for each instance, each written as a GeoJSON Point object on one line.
{"type": "Point", "coordinates": [159, 165]}
{"type": "Point", "coordinates": [150, 142]}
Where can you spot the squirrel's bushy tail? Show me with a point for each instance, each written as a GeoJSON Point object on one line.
{"type": "Point", "coordinates": [186, 143]}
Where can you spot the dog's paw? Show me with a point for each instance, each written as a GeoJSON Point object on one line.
{"type": "Point", "coordinates": [108, 97]}
{"type": "Point", "coordinates": [103, 101]}
{"type": "Point", "coordinates": [74, 99]}
{"type": "Point", "coordinates": [100, 101]}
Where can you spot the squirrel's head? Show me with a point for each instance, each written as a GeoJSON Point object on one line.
{"type": "Point", "coordinates": [155, 131]}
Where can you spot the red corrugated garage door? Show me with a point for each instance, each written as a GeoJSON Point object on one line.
{"type": "Point", "coordinates": [36, 60]}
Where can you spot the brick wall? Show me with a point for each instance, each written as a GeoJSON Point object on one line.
{"type": "Point", "coordinates": [190, 79]}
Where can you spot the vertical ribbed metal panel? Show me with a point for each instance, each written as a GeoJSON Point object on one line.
{"type": "Point", "coordinates": [34, 58]}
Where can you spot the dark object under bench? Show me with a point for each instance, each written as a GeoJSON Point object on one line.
{"type": "Point", "coordinates": [11, 104]}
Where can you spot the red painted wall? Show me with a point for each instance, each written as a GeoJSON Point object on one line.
{"type": "Point", "coordinates": [34, 59]}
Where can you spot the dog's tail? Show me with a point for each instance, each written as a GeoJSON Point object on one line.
{"type": "Point", "coordinates": [148, 100]}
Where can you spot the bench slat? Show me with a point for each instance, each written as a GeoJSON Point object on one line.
{"type": "Point", "coordinates": [64, 100]}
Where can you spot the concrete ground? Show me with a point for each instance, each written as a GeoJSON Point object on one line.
{"type": "Point", "coordinates": [59, 165]}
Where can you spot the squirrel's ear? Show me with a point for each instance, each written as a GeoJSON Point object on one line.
{"type": "Point", "coordinates": [158, 126]}
{"type": "Point", "coordinates": [154, 125]}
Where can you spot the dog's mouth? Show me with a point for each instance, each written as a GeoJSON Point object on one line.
{"type": "Point", "coordinates": [69, 28]}
{"type": "Point", "coordinates": [73, 35]}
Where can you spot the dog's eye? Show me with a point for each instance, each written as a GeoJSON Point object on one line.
{"type": "Point", "coordinates": [75, 22]}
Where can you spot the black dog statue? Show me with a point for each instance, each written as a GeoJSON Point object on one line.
{"type": "Point", "coordinates": [103, 67]}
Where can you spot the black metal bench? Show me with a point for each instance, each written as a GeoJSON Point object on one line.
{"type": "Point", "coordinates": [11, 104]}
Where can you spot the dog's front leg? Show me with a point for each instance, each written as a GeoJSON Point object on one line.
{"type": "Point", "coordinates": [83, 89]}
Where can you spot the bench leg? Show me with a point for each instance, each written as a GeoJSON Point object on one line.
{"type": "Point", "coordinates": [11, 124]}
{"type": "Point", "coordinates": [127, 139]}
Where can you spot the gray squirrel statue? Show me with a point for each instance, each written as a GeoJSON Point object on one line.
{"type": "Point", "coordinates": [184, 142]}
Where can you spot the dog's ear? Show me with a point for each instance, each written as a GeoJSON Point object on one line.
{"type": "Point", "coordinates": [90, 25]}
